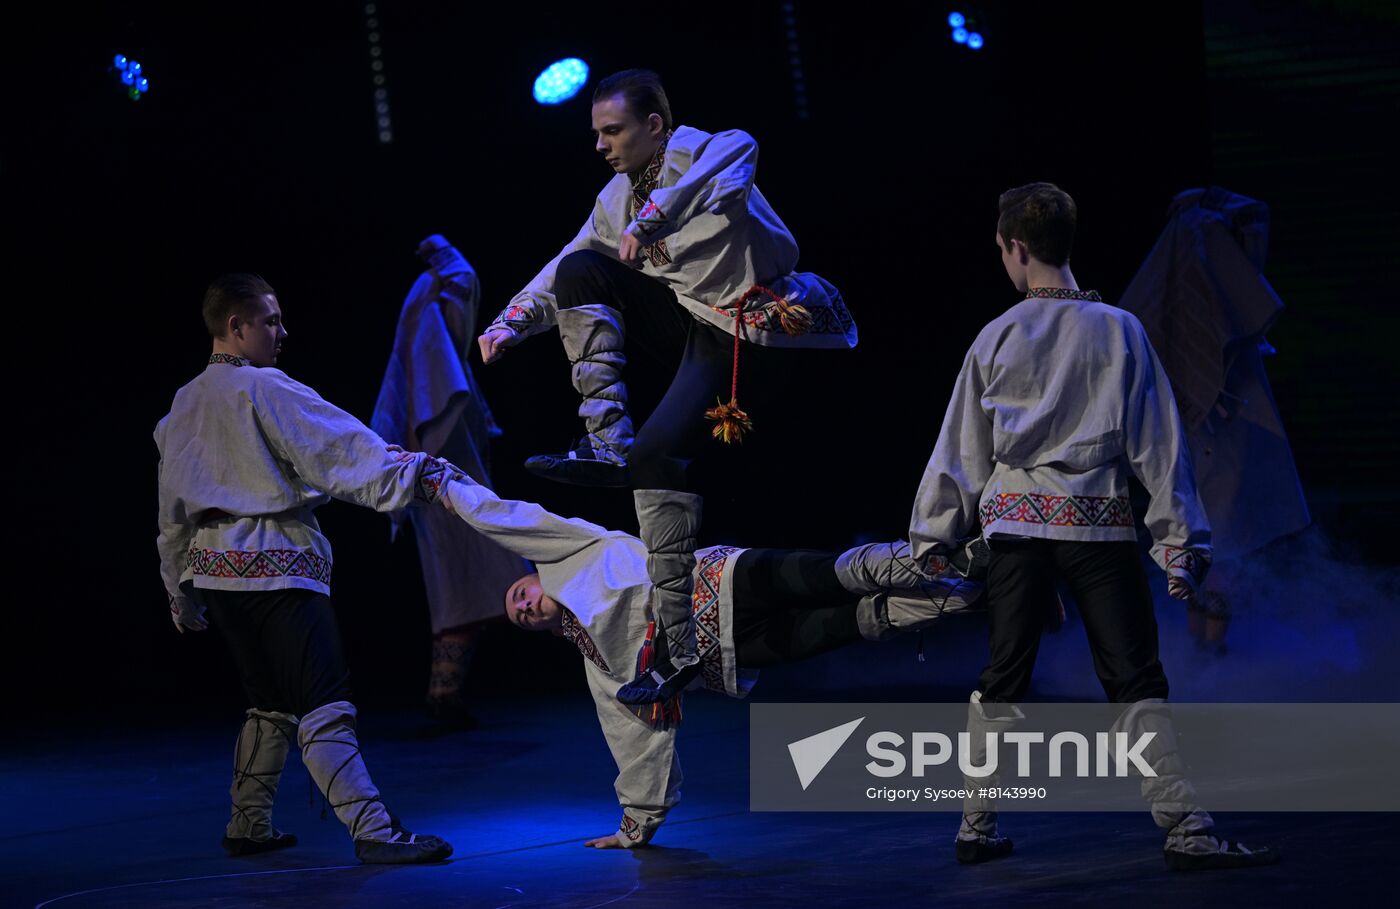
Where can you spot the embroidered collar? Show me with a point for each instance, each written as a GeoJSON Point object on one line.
{"type": "Point", "coordinates": [230, 359]}
{"type": "Point", "coordinates": [574, 632]}
{"type": "Point", "coordinates": [641, 206]}
{"type": "Point", "coordinates": [647, 180]}
{"type": "Point", "coordinates": [1064, 293]}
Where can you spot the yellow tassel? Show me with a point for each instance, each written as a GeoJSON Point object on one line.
{"type": "Point", "coordinates": [795, 318]}
{"type": "Point", "coordinates": [730, 422]}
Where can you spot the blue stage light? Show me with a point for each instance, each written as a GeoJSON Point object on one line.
{"type": "Point", "coordinates": [129, 72]}
{"type": "Point", "coordinates": [960, 35]}
{"type": "Point", "coordinates": [974, 41]}
{"type": "Point", "coordinates": [956, 20]}
{"type": "Point", "coordinates": [561, 81]}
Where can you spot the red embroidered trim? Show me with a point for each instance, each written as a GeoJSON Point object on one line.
{"type": "Point", "coordinates": [573, 630]}
{"type": "Point", "coordinates": [433, 477]}
{"type": "Point", "coordinates": [826, 320]}
{"type": "Point", "coordinates": [1194, 562]}
{"type": "Point", "coordinates": [263, 563]}
{"type": "Point", "coordinates": [657, 253]}
{"type": "Point", "coordinates": [1058, 511]}
{"type": "Point", "coordinates": [935, 565]}
{"type": "Point", "coordinates": [704, 604]}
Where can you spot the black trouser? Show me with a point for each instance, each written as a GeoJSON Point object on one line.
{"type": "Point", "coordinates": [286, 645]}
{"type": "Point", "coordinates": [789, 605]}
{"type": "Point", "coordinates": [1110, 588]}
{"type": "Point", "coordinates": [658, 326]}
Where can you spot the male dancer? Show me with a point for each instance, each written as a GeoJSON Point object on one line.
{"type": "Point", "coordinates": [752, 608]}
{"type": "Point", "coordinates": [1058, 399]}
{"type": "Point", "coordinates": [246, 454]}
{"type": "Point", "coordinates": [683, 246]}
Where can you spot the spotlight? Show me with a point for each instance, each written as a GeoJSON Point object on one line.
{"type": "Point", "coordinates": [960, 35]}
{"type": "Point", "coordinates": [956, 20]}
{"type": "Point", "coordinates": [561, 81]}
{"type": "Point", "coordinates": [974, 41]}
{"type": "Point", "coordinates": [129, 72]}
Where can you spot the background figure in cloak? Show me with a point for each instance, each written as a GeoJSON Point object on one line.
{"type": "Point", "coordinates": [1206, 306]}
{"type": "Point", "coordinates": [431, 402]}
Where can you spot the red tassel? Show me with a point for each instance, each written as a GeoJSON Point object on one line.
{"type": "Point", "coordinates": [795, 318]}
{"type": "Point", "coordinates": [647, 657]}
{"type": "Point", "coordinates": [665, 714]}
{"type": "Point", "coordinates": [731, 422]}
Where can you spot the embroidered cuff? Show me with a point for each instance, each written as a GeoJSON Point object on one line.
{"type": "Point", "coordinates": [1188, 565]}
{"type": "Point", "coordinates": [631, 834]}
{"type": "Point", "coordinates": [934, 565]}
{"type": "Point", "coordinates": [648, 221]}
{"type": "Point", "coordinates": [433, 477]}
{"type": "Point", "coordinates": [514, 317]}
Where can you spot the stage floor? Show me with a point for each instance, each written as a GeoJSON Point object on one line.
{"type": "Point", "coordinates": [132, 816]}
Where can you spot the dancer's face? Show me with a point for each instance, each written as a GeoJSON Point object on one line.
{"type": "Point", "coordinates": [529, 608]}
{"type": "Point", "coordinates": [626, 142]}
{"type": "Point", "coordinates": [259, 335]}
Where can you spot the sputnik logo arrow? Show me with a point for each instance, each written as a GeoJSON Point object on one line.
{"type": "Point", "coordinates": [811, 755]}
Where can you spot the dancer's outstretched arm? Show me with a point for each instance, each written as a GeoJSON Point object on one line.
{"type": "Point", "coordinates": [524, 528]}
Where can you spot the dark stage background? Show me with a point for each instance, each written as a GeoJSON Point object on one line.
{"type": "Point", "coordinates": [257, 150]}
